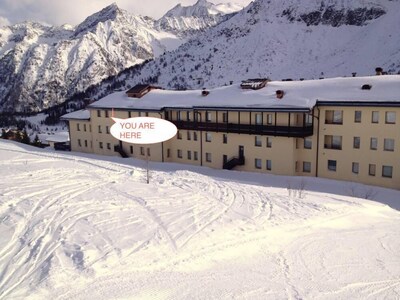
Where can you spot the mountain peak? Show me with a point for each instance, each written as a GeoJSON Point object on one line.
{"type": "Point", "coordinates": [110, 12]}
{"type": "Point", "coordinates": [201, 9]}
{"type": "Point", "coordinates": [203, 3]}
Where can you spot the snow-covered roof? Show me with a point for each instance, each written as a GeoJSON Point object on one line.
{"type": "Point", "coordinates": [60, 137]}
{"type": "Point", "coordinates": [297, 95]}
{"type": "Point", "coordinates": [82, 114]}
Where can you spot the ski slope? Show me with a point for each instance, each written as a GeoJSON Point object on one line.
{"type": "Point", "coordinates": [75, 226]}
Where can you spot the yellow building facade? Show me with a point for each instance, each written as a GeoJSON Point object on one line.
{"type": "Point", "coordinates": [355, 139]}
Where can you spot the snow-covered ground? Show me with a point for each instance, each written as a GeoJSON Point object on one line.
{"type": "Point", "coordinates": [76, 226]}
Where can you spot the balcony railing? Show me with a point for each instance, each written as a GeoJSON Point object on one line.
{"type": "Point", "coordinates": [287, 131]}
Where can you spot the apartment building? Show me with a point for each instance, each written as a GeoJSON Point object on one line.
{"type": "Point", "coordinates": [341, 128]}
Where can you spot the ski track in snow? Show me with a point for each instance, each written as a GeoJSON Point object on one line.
{"type": "Point", "coordinates": [78, 228]}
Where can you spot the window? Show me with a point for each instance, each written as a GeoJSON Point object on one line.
{"type": "Point", "coordinates": [179, 153]}
{"type": "Point", "coordinates": [168, 152]}
{"type": "Point", "coordinates": [141, 150]}
{"type": "Point", "coordinates": [388, 145]}
{"type": "Point", "coordinates": [257, 163]}
{"type": "Point", "coordinates": [195, 155]}
{"type": "Point", "coordinates": [208, 136]}
{"type": "Point", "coordinates": [188, 116]}
{"type": "Point", "coordinates": [107, 130]}
{"type": "Point", "coordinates": [195, 136]}
{"type": "Point", "coordinates": [108, 146]}
{"type": "Point", "coordinates": [269, 142]}
{"type": "Point", "coordinates": [84, 127]}
{"type": "Point", "coordinates": [208, 116]}
{"type": "Point", "coordinates": [225, 117]}
{"type": "Point", "coordinates": [131, 149]}
{"type": "Point", "coordinates": [269, 119]}
{"type": "Point", "coordinates": [355, 167]}
{"type": "Point", "coordinates": [258, 119]}
{"type": "Point", "coordinates": [78, 127]}
{"type": "Point", "coordinates": [178, 115]}
{"type": "Point", "coordinates": [309, 119]}
{"type": "Point", "coordinates": [375, 117]}
{"type": "Point", "coordinates": [269, 165]}
{"type": "Point", "coordinates": [208, 157]}
{"type": "Point", "coordinates": [307, 143]}
{"type": "Point", "coordinates": [334, 117]}
{"type": "Point", "coordinates": [129, 114]}
{"type": "Point", "coordinates": [99, 113]}
{"type": "Point", "coordinates": [86, 144]}
{"type": "Point", "coordinates": [306, 167]}
{"type": "Point", "coordinates": [390, 117]}
{"type": "Point", "coordinates": [333, 142]}
{"type": "Point", "coordinates": [99, 128]}
{"type": "Point", "coordinates": [146, 114]}
{"type": "Point", "coordinates": [357, 116]}
{"type": "Point", "coordinates": [90, 128]}
{"type": "Point", "coordinates": [257, 141]}
{"type": "Point", "coordinates": [372, 169]}
{"type": "Point", "coordinates": [373, 143]}
{"type": "Point", "coordinates": [225, 138]}
{"type": "Point", "coordinates": [79, 143]}
{"type": "Point", "coordinates": [148, 152]}
{"type": "Point", "coordinates": [101, 145]}
{"type": "Point", "coordinates": [179, 135]}
{"type": "Point", "coordinates": [332, 165]}
{"type": "Point", "coordinates": [189, 136]}
{"type": "Point", "coordinates": [356, 142]}
{"type": "Point", "coordinates": [387, 171]}
{"type": "Point", "coordinates": [189, 155]}
{"type": "Point", "coordinates": [106, 113]}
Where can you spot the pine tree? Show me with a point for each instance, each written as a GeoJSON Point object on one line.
{"type": "Point", "coordinates": [4, 134]}
{"type": "Point", "coordinates": [36, 141]}
{"type": "Point", "coordinates": [25, 137]}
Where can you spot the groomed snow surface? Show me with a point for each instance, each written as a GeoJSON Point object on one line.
{"type": "Point", "coordinates": [75, 226]}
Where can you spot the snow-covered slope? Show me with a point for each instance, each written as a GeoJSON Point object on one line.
{"type": "Point", "coordinates": [186, 20]}
{"type": "Point", "coordinates": [85, 227]}
{"type": "Point", "coordinates": [287, 39]}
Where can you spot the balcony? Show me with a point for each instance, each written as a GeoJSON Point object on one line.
{"type": "Point", "coordinates": [287, 131]}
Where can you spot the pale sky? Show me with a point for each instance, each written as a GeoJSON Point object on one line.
{"type": "Point", "coordinates": [58, 12]}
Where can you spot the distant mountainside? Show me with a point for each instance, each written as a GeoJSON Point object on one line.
{"type": "Point", "coordinates": [284, 39]}
{"type": "Point", "coordinates": [41, 65]}
{"type": "Point", "coordinates": [184, 20]}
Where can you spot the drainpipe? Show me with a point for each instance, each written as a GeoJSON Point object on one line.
{"type": "Point", "coordinates": [201, 140]}
{"type": "Point", "coordinates": [162, 143]}
{"type": "Point", "coordinates": [316, 162]}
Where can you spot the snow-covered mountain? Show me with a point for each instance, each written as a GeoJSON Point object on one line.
{"type": "Point", "coordinates": [184, 20]}
{"type": "Point", "coordinates": [42, 65]}
{"type": "Point", "coordinates": [286, 39]}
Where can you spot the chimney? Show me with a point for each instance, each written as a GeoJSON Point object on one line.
{"type": "Point", "coordinates": [204, 92]}
{"type": "Point", "coordinates": [279, 94]}
{"type": "Point", "coordinates": [354, 74]}
{"type": "Point", "coordinates": [378, 71]}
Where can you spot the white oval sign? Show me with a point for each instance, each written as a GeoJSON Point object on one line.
{"type": "Point", "coordinates": [143, 130]}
